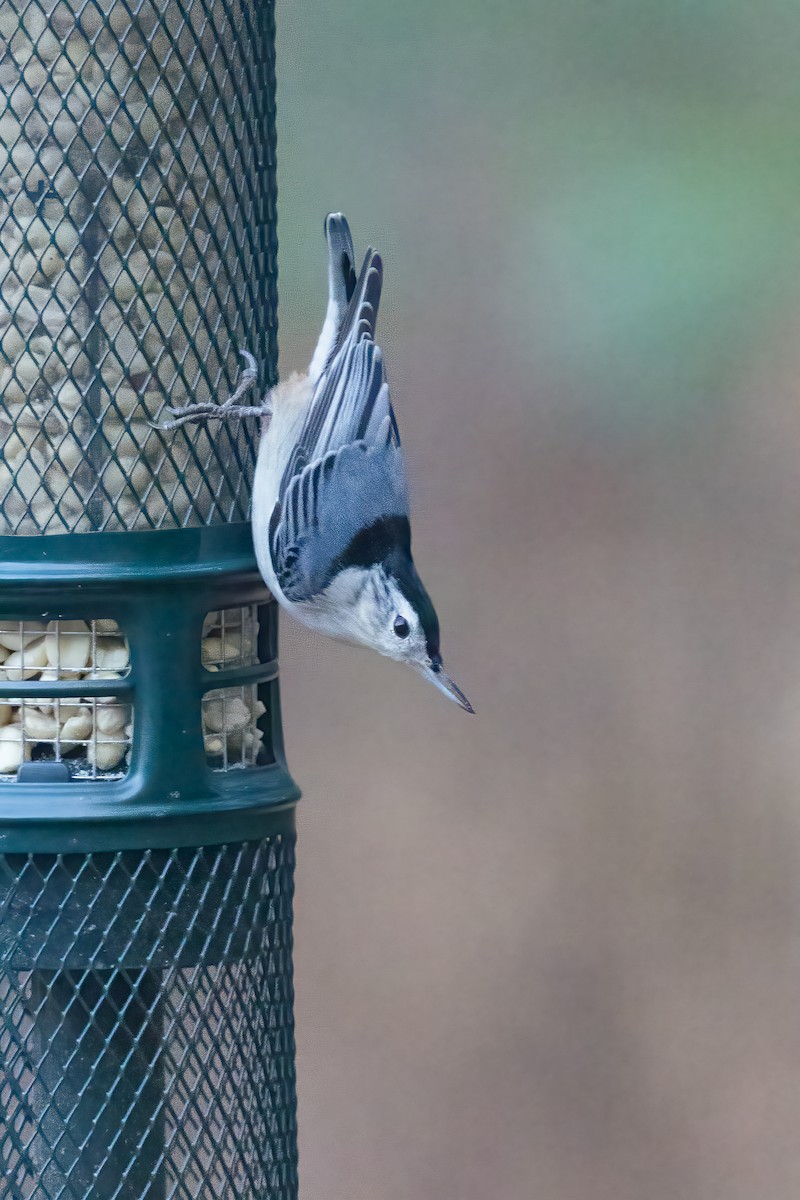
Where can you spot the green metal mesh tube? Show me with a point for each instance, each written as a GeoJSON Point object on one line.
{"type": "Point", "coordinates": [136, 245]}
{"type": "Point", "coordinates": [148, 1053]}
{"type": "Point", "coordinates": [146, 1035]}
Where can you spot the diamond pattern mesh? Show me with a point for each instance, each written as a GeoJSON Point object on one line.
{"type": "Point", "coordinates": [147, 1048]}
{"type": "Point", "coordinates": [136, 255]}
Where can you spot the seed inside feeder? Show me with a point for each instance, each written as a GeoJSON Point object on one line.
{"type": "Point", "coordinates": [230, 715]}
{"type": "Point", "coordinates": [94, 733]}
{"type": "Point", "coordinates": [115, 297]}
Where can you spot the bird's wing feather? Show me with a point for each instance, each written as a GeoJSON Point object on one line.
{"type": "Point", "coordinates": [345, 473]}
{"type": "Point", "coordinates": [350, 398]}
{"type": "Point", "coordinates": [330, 503]}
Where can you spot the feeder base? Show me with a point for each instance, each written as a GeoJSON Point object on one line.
{"type": "Point", "coordinates": [146, 1028]}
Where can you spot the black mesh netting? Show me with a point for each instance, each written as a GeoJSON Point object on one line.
{"type": "Point", "coordinates": [137, 255]}
{"type": "Point", "coordinates": [146, 1044]}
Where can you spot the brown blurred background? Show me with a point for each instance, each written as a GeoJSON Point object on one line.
{"type": "Point", "coordinates": [553, 950]}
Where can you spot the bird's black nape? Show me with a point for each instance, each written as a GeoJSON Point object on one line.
{"type": "Point", "coordinates": [388, 542]}
{"type": "Point", "coordinates": [390, 537]}
{"type": "Point", "coordinates": [400, 565]}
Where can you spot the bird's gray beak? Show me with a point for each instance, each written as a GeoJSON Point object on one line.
{"type": "Point", "coordinates": [435, 672]}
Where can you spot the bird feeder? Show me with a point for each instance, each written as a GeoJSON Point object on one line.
{"type": "Point", "coordinates": [146, 812]}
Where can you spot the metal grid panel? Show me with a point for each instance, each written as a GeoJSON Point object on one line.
{"type": "Point", "coordinates": [147, 1053]}
{"type": "Point", "coordinates": [137, 255]}
{"type": "Point", "coordinates": [231, 715]}
{"type": "Point", "coordinates": [92, 733]}
{"type": "Point", "coordinates": [230, 638]}
{"type": "Point", "coordinates": [230, 730]}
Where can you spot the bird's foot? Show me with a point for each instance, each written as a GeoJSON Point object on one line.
{"type": "Point", "coordinates": [190, 413]}
{"type": "Point", "coordinates": [248, 378]}
{"type": "Point", "coordinates": [193, 413]}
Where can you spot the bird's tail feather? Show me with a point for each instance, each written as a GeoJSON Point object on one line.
{"type": "Point", "coordinates": [362, 311]}
{"type": "Point", "coordinates": [341, 285]}
{"type": "Point", "coordinates": [341, 260]}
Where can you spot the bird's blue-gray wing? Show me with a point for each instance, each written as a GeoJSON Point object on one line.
{"type": "Point", "coordinates": [345, 475]}
{"type": "Point", "coordinates": [350, 400]}
{"type": "Point", "coordinates": [337, 499]}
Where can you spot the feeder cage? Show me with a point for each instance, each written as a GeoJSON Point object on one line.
{"type": "Point", "coordinates": [146, 813]}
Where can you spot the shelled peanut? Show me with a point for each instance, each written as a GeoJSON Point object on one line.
{"type": "Point", "coordinates": [99, 728]}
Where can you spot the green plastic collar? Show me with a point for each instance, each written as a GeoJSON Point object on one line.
{"type": "Point", "coordinates": [159, 586]}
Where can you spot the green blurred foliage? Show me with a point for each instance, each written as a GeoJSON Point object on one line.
{"type": "Point", "coordinates": [624, 175]}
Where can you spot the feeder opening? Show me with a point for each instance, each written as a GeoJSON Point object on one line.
{"type": "Point", "coordinates": [91, 733]}
{"type": "Point", "coordinates": [230, 638]}
{"type": "Point", "coordinates": [234, 717]}
{"type": "Point", "coordinates": [230, 728]}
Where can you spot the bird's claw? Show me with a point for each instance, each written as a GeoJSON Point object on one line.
{"type": "Point", "coordinates": [189, 413]}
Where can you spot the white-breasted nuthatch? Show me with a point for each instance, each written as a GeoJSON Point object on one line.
{"type": "Point", "coordinates": [330, 504]}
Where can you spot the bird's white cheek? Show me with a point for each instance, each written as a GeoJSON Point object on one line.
{"type": "Point", "coordinates": [342, 622]}
{"type": "Point", "coordinates": [391, 649]}
{"type": "Point", "coordinates": [332, 623]}
{"type": "Point", "coordinates": [399, 649]}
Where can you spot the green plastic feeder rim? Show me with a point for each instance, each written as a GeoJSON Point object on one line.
{"type": "Point", "coordinates": [159, 588]}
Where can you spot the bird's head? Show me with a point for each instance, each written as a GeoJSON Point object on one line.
{"type": "Point", "coordinates": [385, 606]}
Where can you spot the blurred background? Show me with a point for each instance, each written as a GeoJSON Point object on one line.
{"type": "Point", "coordinates": [553, 950]}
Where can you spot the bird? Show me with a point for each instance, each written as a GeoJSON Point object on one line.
{"type": "Point", "coordinates": [330, 506]}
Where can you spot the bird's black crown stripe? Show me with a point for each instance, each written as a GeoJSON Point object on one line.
{"type": "Point", "coordinates": [388, 541]}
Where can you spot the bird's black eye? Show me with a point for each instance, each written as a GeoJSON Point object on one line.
{"type": "Point", "coordinates": [401, 627]}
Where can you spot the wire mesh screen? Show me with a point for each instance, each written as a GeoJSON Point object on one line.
{"type": "Point", "coordinates": [147, 1048]}
{"type": "Point", "coordinates": [91, 733]}
{"type": "Point", "coordinates": [137, 255]}
{"type": "Point", "coordinates": [232, 735]}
